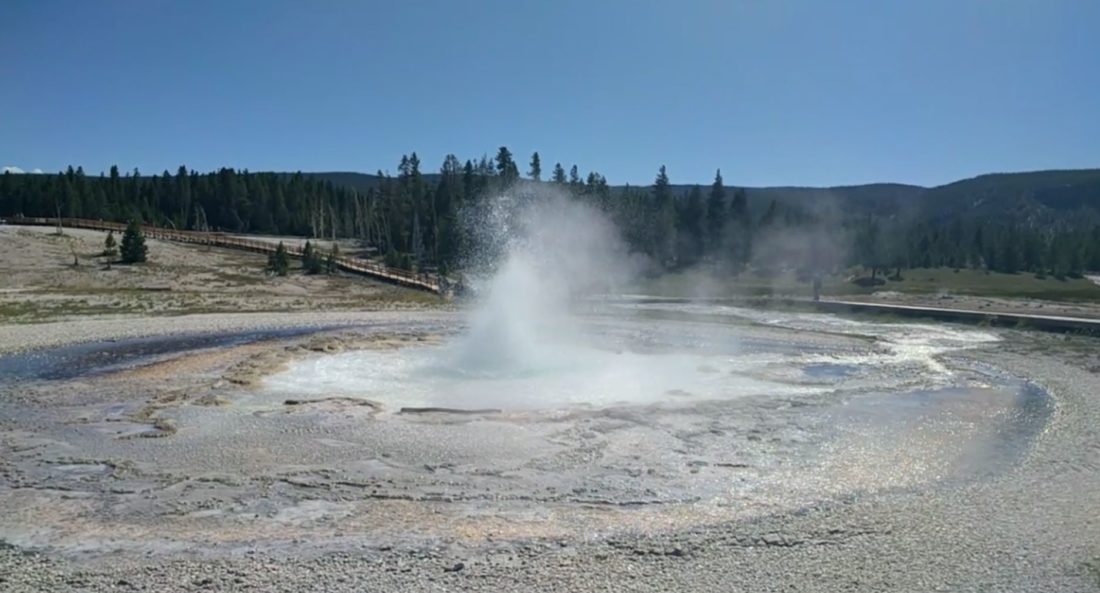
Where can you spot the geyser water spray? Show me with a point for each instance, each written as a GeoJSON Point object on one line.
{"type": "Point", "coordinates": [535, 257]}
{"type": "Point", "coordinates": [533, 252]}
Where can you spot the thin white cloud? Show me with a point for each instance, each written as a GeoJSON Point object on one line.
{"type": "Point", "coordinates": [11, 169]}
{"type": "Point", "coordinates": [36, 171]}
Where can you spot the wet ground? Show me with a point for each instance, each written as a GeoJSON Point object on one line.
{"type": "Point", "coordinates": [671, 418]}
{"type": "Point", "coordinates": [97, 358]}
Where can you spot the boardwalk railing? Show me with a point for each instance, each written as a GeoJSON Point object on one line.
{"type": "Point", "coordinates": [350, 264]}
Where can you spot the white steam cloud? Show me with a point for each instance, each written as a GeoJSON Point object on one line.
{"type": "Point", "coordinates": [533, 252]}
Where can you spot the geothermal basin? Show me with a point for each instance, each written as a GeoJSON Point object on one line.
{"type": "Point", "coordinates": [630, 417]}
{"type": "Point", "coordinates": [547, 432]}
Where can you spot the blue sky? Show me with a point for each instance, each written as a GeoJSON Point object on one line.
{"type": "Point", "coordinates": [772, 91]}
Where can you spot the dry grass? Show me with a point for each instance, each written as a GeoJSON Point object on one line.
{"type": "Point", "coordinates": [40, 282]}
{"type": "Point", "coordinates": [936, 281]}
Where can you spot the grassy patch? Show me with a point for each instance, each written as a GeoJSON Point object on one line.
{"type": "Point", "coordinates": [10, 312]}
{"type": "Point", "coordinates": [918, 282]}
{"type": "Point", "coordinates": [979, 283]}
{"type": "Point", "coordinates": [23, 312]}
{"type": "Point", "coordinates": [237, 279]}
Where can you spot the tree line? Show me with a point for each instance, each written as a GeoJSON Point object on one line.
{"type": "Point", "coordinates": [227, 200]}
{"type": "Point", "coordinates": [411, 219]}
{"type": "Point", "coordinates": [1060, 249]}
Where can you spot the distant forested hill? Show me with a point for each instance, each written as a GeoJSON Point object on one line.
{"type": "Point", "coordinates": [1057, 190]}
{"type": "Point", "coordinates": [1042, 221]}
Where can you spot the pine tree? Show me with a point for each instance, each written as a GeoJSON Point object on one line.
{"type": "Point", "coordinates": [182, 197]}
{"type": "Point", "coordinates": [662, 191]}
{"type": "Point", "coordinates": [664, 220]}
{"type": "Point", "coordinates": [692, 221]}
{"type": "Point", "coordinates": [769, 217]}
{"type": "Point", "coordinates": [742, 221]}
{"type": "Point", "coordinates": [311, 262]}
{"type": "Point", "coordinates": [866, 241]}
{"type": "Point", "coordinates": [558, 175]}
{"type": "Point", "coordinates": [469, 180]}
{"type": "Point", "coordinates": [535, 172]}
{"type": "Point", "coordinates": [576, 184]}
{"type": "Point", "coordinates": [716, 212]}
{"type": "Point", "coordinates": [278, 263]}
{"type": "Point", "coordinates": [133, 248]}
{"type": "Point", "coordinates": [506, 166]}
{"type": "Point", "coordinates": [330, 260]}
{"type": "Point", "coordinates": [417, 240]}
{"type": "Point", "coordinates": [1093, 243]}
{"type": "Point", "coordinates": [392, 259]}
{"type": "Point", "coordinates": [1008, 256]}
{"type": "Point", "coordinates": [110, 247]}
{"type": "Point", "coordinates": [595, 186]}
{"type": "Point", "coordinates": [307, 251]}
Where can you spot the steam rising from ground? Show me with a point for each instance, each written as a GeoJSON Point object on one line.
{"type": "Point", "coordinates": [535, 257]}
{"type": "Point", "coordinates": [533, 253]}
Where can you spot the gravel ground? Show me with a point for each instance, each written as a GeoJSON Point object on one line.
{"type": "Point", "coordinates": [23, 337]}
{"type": "Point", "coordinates": [1034, 526]}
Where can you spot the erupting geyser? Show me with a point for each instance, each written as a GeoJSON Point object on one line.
{"type": "Point", "coordinates": [535, 338]}
{"type": "Point", "coordinates": [531, 256]}
{"type": "Point", "coordinates": [534, 257]}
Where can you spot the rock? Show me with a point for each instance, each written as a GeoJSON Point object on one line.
{"type": "Point", "coordinates": [211, 400]}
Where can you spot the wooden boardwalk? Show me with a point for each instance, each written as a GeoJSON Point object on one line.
{"type": "Point", "coordinates": [1057, 323]}
{"type": "Point", "coordinates": [429, 282]}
